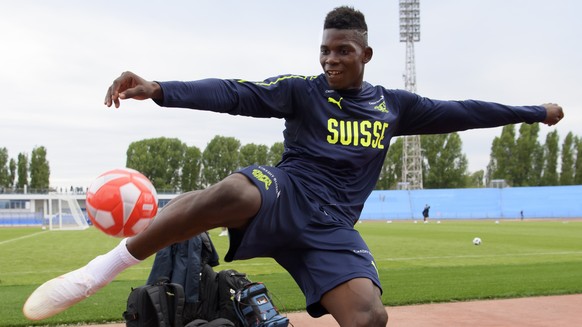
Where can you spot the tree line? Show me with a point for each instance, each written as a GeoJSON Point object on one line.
{"type": "Point", "coordinates": [173, 166]}
{"type": "Point", "coordinates": [32, 172]}
{"type": "Point", "coordinates": [518, 158]}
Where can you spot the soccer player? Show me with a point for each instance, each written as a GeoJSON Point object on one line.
{"type": "Point", "coordinates": [301, 212]}
{"type": "Point", "coordinates": [425, 213]}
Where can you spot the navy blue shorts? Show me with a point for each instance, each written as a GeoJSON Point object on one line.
{"type": "Point", "coordinates": [319, 251]}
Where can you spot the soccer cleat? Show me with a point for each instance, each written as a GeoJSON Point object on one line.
{"type": "Point", "coordinates": [59, 294]}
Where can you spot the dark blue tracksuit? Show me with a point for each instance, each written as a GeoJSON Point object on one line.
{"type": "Point", "coordinates": [335, 145]}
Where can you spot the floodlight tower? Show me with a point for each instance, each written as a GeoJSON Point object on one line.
{"type": "Point", "coordinates": [410, 33]}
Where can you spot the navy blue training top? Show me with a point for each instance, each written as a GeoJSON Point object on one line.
{"type": "Point", "coordinates": [336, 141]}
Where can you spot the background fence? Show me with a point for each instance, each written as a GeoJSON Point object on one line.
{"type": "Point", "coordinates": [477, 203]}
{"type": "Point", "coordinates": [471, 203]}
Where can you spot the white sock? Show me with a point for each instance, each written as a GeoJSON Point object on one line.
{"type": "Point", "coordinates": [105, 267]}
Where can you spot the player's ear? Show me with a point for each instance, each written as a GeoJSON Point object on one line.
{"type": "Point", "coordinates": [368, 53]}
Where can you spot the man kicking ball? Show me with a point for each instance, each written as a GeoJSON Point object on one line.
{"type": "Point", "coordinates": [301, 212]}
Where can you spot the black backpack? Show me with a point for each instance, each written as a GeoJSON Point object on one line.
{"type": "Point", "coordinates": [217, 290]}
{"type": "Point", "coordinates": [206, 306]}
{"type": "Point", "coordinates": [157, 305]}
{"type": "Point", "coordinates": [229, 282]}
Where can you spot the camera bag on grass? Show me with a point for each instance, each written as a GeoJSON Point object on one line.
{"type": "Point", "coordinates": [157, 305]}
{"type": "Point", "coordinates": [254, 307]}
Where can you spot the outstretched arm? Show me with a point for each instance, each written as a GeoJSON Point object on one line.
{"type": "Point", "coordinates": [554, 114]}
{"type": "Point", "coordinates": [422, 115]}
{"type": "Point", "coordinates": [131, 86]}
{"type": "Point", "coordinates": [271, 98]}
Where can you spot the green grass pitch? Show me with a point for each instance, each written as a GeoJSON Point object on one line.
{"type": "Point", "coordinates": [417, 263]}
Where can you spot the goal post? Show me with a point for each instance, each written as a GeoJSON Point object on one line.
{"type": "Point", "coordinates": [64, 213]}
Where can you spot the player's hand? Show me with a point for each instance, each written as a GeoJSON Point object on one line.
{"type": "Point", "coordinates": [131, 86]}
{"type": "Point", "coordinates": [554, 114]}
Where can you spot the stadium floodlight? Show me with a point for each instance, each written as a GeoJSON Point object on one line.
{"type": "Point", "coordinates": [409, 20]}
{"type": "Point", "coordinates": [410, 33]}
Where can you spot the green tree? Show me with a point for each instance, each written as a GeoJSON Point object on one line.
{"type": "Point", "coordinates": [4, 169]}
{"type": "Point", "coordinates": [550, 174]}
{"type": "Point", "coordinates": [22, 170]}
{"type": "Point", "coordinates": [191, 169]}
{"type": "Point", "coordinates": [275, 153]}
{"type": "Point", "coordinates": [12, 172]}
{"type": "Point", "coordinates": [539, 158]}
{"type": "Point", "coordinates": [476, 179]}
{"type": "Point", "coordinates": [391, 172]}
{"type": "Point", "coordinates": [578, 173]}
{"type": "Point", "coordinates": [159, 159]}
{"type": "Point", "coordinates": [523, 155]}
{"type": "Point", "coordinates": [220, 159]}
{"type": "Point", "coordinates": [444, 164]}
{"type": "Point", "coordinates": [39, 169]}
{"type": "Point", "coordinates": [502, 150]}
{"type": "Point", "coordinates": [251, 154]}
{"type": "Point", "coordinates": [568, 151]}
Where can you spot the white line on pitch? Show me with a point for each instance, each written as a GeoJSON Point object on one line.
{"type": "Point", "coordinates": [20, 238]}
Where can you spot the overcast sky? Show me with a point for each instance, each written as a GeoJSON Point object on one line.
{"type": "Point", "coordinates": [57, 59]}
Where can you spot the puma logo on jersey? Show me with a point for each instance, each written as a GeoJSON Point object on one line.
{"type": "Point", "coordinates": [336, 102]}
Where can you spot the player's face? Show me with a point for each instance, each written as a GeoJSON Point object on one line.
{"type": "Point", "coordinates": [343, 57]}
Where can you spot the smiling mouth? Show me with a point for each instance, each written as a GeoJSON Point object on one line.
{"type": "Point", "coordinates": [332, 72]}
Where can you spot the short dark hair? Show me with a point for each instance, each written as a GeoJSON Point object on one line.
{"type": "Point", "coordinates": [347, 18]}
